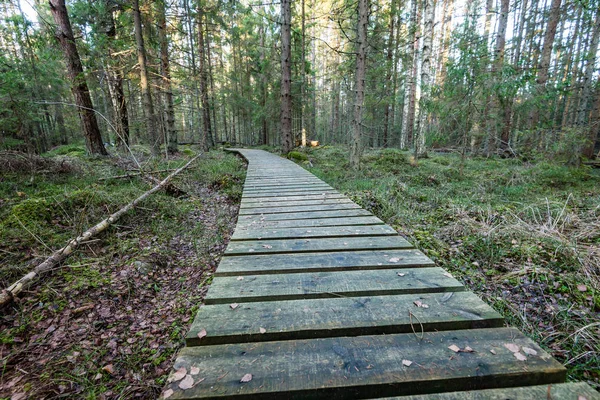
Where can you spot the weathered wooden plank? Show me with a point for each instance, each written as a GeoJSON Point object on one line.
{"type": "Point", "coordinates": [318, 318]}
{"type": "Point", "coordinates": [285, 191]}
{"type": "Point", "coordinates": [318, 285]}
{"type": "Point", "coordinates": [317, 232]}
{"type": "Point", "coordinates": [357, 212]}
{"type": "Point", "coordinates": [303, 223]}
{"type": "Point", "coordinates": [290, 194]}
{"type": "Point", "coordinates": [316, 262]}
{"type": "Point", "coordinates": [303, 202]}
{"type": "Point", "coordinates": [285, 188]}
{"type": "Point", "coordinates": [365, 366]}
{"type": "Point", "coordinates": [298, 209]}
{"type": "Point", "coordinates": [314, 245]}
{"type": "Point", "coordinates": [276, 199]}
{"type": "Point", "coordinates": [284, 184]}
{"type": "Point", "coordinates": [555, 391]}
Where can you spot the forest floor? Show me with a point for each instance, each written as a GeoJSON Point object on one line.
{"type": "Point", "coordinates": [525, 236]}
{"type": "Point", "coordinates": [108, 323]}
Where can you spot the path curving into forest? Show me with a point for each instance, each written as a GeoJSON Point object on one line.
{"type": "Point", "coordinates": [317, 298]}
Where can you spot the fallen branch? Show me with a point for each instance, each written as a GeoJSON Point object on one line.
{"type": "Point", "coordinates": [132, 174]}
{"type": "Point", "coordinates": [8, 295]}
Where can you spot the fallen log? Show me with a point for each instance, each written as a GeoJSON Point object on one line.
{"type": "Point", "coordinates": [9, 294]}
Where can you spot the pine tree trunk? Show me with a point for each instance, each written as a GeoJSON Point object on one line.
{"type": "Point", "coordinates": [501, 106]}
{"type": "Point", "coordinates": [79, 87]}
{"type": "Point", "coordinates": [166, 78]}
{"type": "Point", "coordinates": [286, 77]}
{"type": "Point", "coordinates": [361, 58]}
{"type": "Point", "coordinates": [207, 141]}
{"type": "Point", "coordinates": [389, 75]}
{"type": "Point", "coordinates": [446, 29]}
{"type": "Point", "coordinates": [144, 85]}
{"type": "Point", "coordinates": [587, 85]}
{"type": "Point", "coordinates": [408, 122]}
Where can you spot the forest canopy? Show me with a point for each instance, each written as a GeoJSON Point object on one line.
{"type": "Point", "coordinates": [506, 77]}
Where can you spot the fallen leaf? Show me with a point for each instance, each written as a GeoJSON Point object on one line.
{"type": "Point", "coordinates": [202, 333]}
{"type": "Point", "coordinates": [520, 356]}
{"type": "Point", "coordinates": [529, 352]}
{"type": "Point", "coordinates": [262, 330]}
{"type": "Point", "coordinates": [582, 288]}
{"type": "Point", "coordinates": [454, 348]}
{"type": "Point", "coordinates": [186, 383]}
{"type": "Point", "coordinates": [167, 393]}
{"type": "Point", "coordinates": [178, 375]}
{"type": "Point", "coordinates": [246, 378]}
{"type": "Point", "coordinates": [401, 274]}
{"type": "Point", "coordinates": [512, 347]}
{"type": "Point", "coordinates": [406, 363]}
{"type": "Point", "coordinates": [18, 396]}
{"type": "Point", "coordinates": [493, 351]}
{"type": "Point", "coordinates": [240, 278]}
{"type": "Point", "coordinates": [194, 371]}
{"type": "Point", "coordinates": [267, 246]}
{"type": "Point", "coordinates": [394, 259]}
{"type": "Point", "coordinates": [251, 250]}
{"type": "Point", "coordinates": [468, 350]}
{"type": "Point", "coordinates": [448, 274]}
{"type": "Point", "coordinates": [419, 303]}
{"type": "Point", "coordinates": [580, 397]}
{"type": "Point", "coordinates": [234, 306]}
{"type": "Point", "coordinates": [98, 377]}
{"type": "Point", "coordinates": [109, 368]}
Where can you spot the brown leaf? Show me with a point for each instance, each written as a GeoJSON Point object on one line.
{"type": "Point", "coordinates": [167, 393]}
{"type": "Point", "coordinates": [267, 246]}
{"type": "Point", "coordinates": [468, 350]}
{"type": "Point", "coordinates": [202, 333]}
{"type": "Point", "coordinates": [109, 368]}
{"type": "Point", "coordinates": [194, 371]}
{"type": "Point", "coordinates": [582, 288]}
{"type": "Point", "coordinates": [406, 363]}
{"type": "Point", "coordinates": [454, 348]}
{"type": "Point", "coordinates": [262, 330]}
{"type": "Point", "coordinates": [394, 259]}
{"type": "Point", "coordinates": [419, 303]}
{"type": "Point", "coordinates": [18, 396]}
{"type": "Point", "coordinates": [529, 351]}
{"type": "Point", "coordinates": [240, 278]}
{"type": "Point", "coordinates": [493, 351]}
{"type": "Point", "coordinates": [401, 274]}
{"type": "Point", "coordinates": [448, 274]}
{"type": "Point", "coordinates": [512, 347]}
{"type": "Point", "coordinates": [178, 375]}
{"type": "Point", "coordinates": [186, 383]}
{"type": "Point", "coordinates": [234, 306]}
{"type": "Point", "coordinates": [246, 378]}
{"type": "Point", "coordinates": [580, 397]}
{"type": "Point", "coordinates": [520, 356]}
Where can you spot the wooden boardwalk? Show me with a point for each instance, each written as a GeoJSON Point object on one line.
{"type": "Point", "coordinates": [317, 298]}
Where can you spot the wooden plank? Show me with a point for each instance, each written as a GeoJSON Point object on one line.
{"type": "Point", "coordinates": [365, 366]}
{"type": "Point", "coordinates": [280, 191]}
{"type": "Point", "coordinates": [298, 209]}
{"type": "Point", "coordinates": [319, 318]}
{"type": "Point", "coordinates": [303, 202]}
{"type": "Point", "coordinates": [269, 199]}
{"type": "Point", "coordinates": [263, 188]}
{"type": "Point", "coordinates": [316, 245]}
{"type": "Point", "coordinates": [358, 212]}
{"type": "Point", "coordinates": [319, 285]}
{"type": "Point", "coordinates": [289, 194]}
{"type": "Point", "coordinates": [316, 262]}
{"type": "Point", "coordinates": [317, 232]}
{"type": "Point", "coordinates": [304, 223]}
{"type": "Point", "coordinates": [555, 391]}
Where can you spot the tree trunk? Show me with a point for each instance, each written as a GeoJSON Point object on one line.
{"type": "Point", "coordinates": [144, 86]}
{"type": "Point", "coordinates": [429, 12]}
{"type": "Point", "coordinates": [594, 126]}
{"type": "Point", "coordinates": [447, 14]}
{"type": "Point", "coordinates": [286, 77]}
{"type": "Point", "coordinates": [64, 34]}
{"type": "Point", "coordinates": [543, 67]}
{"type": "Point", "coordinates": [207, 141]}
{"type": "Point", "coordinates": [500, 106]}
{"type": "Point", "coordinates": [408, 122]}
{"type": "Point", "coordinates": [211, 98]}
{"type": "Point", "coordinates": [166, 79]}
{"type": "Point", "coordinates": [361, 59]}
{"type": "Point", "coordinates": [389, 75]}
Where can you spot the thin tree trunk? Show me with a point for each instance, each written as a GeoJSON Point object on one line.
{"type": "Point", "coordinates": [587, 84]}
{"type": "Point", "coordinates": [447, 14]}
{"type": "Point", "coordinates": [501, 106]}
{"type": "Point", "coordinates": [429, 12]}
{"type": "Point", "coordinates": [361, 59]}
{"type": "Point", "coordinates": [212, 99]}
{"type": "Point", "coordinates": [408, 122]}
{"type": "Point", "coordinates": [79, 87]}
{"type": "Point", "coordinates": [144, 85]}
{"type": "Point", "coordinates": [166, 78]}
{"type": "Point", "coordinates": [389, 75]}
{"type": "Point", "coordinates": [207, 141]}
{"type": "Point", "coordinates": [286, 77]}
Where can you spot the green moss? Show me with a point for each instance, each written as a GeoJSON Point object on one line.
{"type": "Point", "coordinates": [298, 156]}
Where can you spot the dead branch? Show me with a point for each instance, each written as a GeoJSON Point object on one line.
{"type": "Point", "coordinates": [8, 295]}
{"type": "Point", "coordinates": [132, 174]}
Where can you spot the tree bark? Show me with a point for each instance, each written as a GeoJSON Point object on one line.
{"type": "Point", "coordinates": [286, 77]}
{"type": "Point", "coordinates": [361, 64]}
{"type": "Point", "coordinates": [389, 74]}
{"type": "Point", "coordinates": [207, 138]}
{"type": "Point", "coordinates": [79, 87]}
{"type": "Point", "coordinates": [408, 122]}
{"type": "Point", "coordinates": [144, 86]}
{"type": "Point", "coordinates": [588, 87]}
{"type": "Point", "coordinates": [429, 12]}
{"type": "Point", "coordinates": [500, 106]}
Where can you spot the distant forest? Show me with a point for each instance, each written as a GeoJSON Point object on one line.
{"type": "Point", "coordinates": [504, 77]}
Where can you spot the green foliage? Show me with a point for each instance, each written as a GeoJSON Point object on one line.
{"type": "Point", "coordinates": [298, 156]}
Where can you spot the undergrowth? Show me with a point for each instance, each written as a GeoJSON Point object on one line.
{"type": "Point", "coordinates": [524, 236]}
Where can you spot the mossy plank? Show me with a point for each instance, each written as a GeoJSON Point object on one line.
{"type": "Point", "coordinates": [355, 212]}
{"type": "Point", "coordinates": [316, 232]}
{"type": "Point", "coordinates": [290, 203]}
{"type": "Point", "coordinates": [306, 192]}
{"type": "Point", "coordinates": [325, 261]}
{"type": "Point", "coordinates": [275, 199]}
{"type": "Point", "coordinates": [560, 391]}
{"type": "Point", "coordinates": [313, 245]}
{"type": "Point", "coordinates": [314, 285]}
{"type": "Point", "coordinates": [301, 223]}
{"type": "Point", "coordinates": [365, 366]}
{"type": "Point", "coordinates": [342, 316]}
{"type": "Point", "coordinates": [298, 209]}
